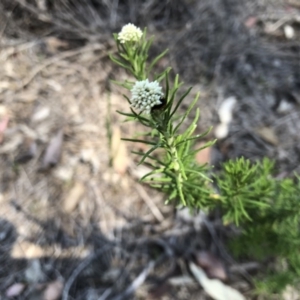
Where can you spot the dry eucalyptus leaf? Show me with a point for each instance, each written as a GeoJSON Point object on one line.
{"type": "Point", "coordinates": [15, 290]}
{"type": "Point", "coordinates": [214, 287]}
{"type": "Point", "coordinates": [53, 290]}
{"type": "Point", "coordinates": [26, 97]}
{"type": "Point", "coordinates": [268, 134]}
{"type": "Point", "coordinates": [212, 265]}
{"type": "Point", "coordinates": [226, 109]}
{"type": "Point", "coordinates": [73, 198]}
{"type": "Point", "coordinates": [41, 114]}
{"type": "Point", "coordinates": [221, 131]}
{"type": "Point", "coordinates": [119, 152]}
{"type": "Point", "coordinates": [53, 151]}
{"type": "Point", "coordinates": [289, 32]}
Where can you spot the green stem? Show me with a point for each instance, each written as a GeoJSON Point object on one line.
{"type": "Point", "coordinates": [171, 147]}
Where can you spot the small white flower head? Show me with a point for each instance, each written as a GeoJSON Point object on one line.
{"type": "Point", "coordinates": [146, 95]}
{"type": "Point", "coordinates": [130, 33]}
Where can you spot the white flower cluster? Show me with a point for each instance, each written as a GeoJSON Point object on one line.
{"type": "Point", "coordinates": [130, 33]}
{"type": "Point", "coordinates": [145, 95]}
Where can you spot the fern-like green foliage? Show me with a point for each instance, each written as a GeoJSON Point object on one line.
{"type": "Point", "coordinates": [268, 212]}
{"type": "Point", "coordinates": [244, 189]}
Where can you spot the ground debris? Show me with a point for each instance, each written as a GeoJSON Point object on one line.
{"type": "Point", "coordinates": [73, 197]}
{"type": "Point", "coordinates": [53, 151]}
{"type": "Point", "coordinates": [53, 291]}
{"type": "Point", "coordinates": [215, 288]}
{"type": "Point", "coordinates": [15, 290]}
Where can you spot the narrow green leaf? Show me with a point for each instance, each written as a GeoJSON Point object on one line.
{"type": "Point", "coordinates": [208, 144]}
{"type": "Point", "coordinates": [147, 153]}
{"type": "Point", "coordinates": [159, 77]}
{"type": "Point", "coordinates": [196, 187]}
{"type": "Point", "coordinates": [146, 122]}
{"type": "Point", "coordinates": [196, 137]}
{"type": "Point", "coordinates": [190, 130]}
{"type": "Point", "coordinates": [158, 180]}
{"type": "Point", "coordinates": [168, 87]}
{"type": "Point", "coordinates": [155, 60]}
{"type": "Point", "coordinates": [180, 101]}
{"type": "Point", "coordinates": [187, 111]}
{"type": "Point", "coordinates": [138, 141]}
{"type": "Point", "coordinates": [200, 174]}
{"type": "Point", "coordinates": [181, 196]}
{"type": "Point", "coordinates": [150, 157]}
{"type": "Point", "coordinates": [126, 85]}
{"type": "Point", "coordinates": [119, 63]}
{"type": "Point", "coordinates": [126, 114]}
{"type": "Point", "coordinates": [124, 56]}
{"type": "Point", "coordinates": [154, 172]}
{"type": "Point", "coordinates": [182, 169]}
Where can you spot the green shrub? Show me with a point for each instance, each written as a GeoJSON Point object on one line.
{"type": "Point", "coordinates": [266, 209]}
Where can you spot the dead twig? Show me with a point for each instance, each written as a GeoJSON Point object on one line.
{"type": "Point", "coordinates": [13, 49]}
{"type": "Point", "coordinates": [150, 203]}
{"type": "Point", "coordinates": [137, 282]}
{"type": "Point", "coordinates": [58, 58]}
{"type": "Point", "coordinates": [47, 18]}
{"type": "Point", "coordinates": [80, 268]}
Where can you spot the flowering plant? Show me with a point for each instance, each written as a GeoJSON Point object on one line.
{"type": "Point", "coordinates": [130, 33]}
{"type": "Point", "coordinates": [176, 172]}
{"type": "Point", "coordinates": [246, 194]}
{"type": "Point", "coordinates": [146, 95]}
